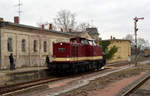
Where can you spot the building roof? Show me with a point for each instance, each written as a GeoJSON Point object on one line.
{"type": "Point", "coordinates": [84, 34]}
{"type": "Point", "coordinates": [92, 31]}
{"type": "Point", "coordinates": [75, 32]}
{"type": "Point", "coordinates": [5, 23]}
{"type": "Point", "coordinates": [116, 40]}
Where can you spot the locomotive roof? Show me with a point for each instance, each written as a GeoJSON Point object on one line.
{"type": "Point", "coordinates": [80, 38]}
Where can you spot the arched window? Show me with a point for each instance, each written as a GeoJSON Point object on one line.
{"type": "Point", "coordinates": [35, 45]}
{"type": "Point", "coordinates": [23, 45]}
{"type": "Point", "coordinates": [45, 46]}
{"type": "Point", "coordinates": [9, 45]}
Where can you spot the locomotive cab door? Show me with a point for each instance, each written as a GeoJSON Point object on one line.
{"type": "Point", "coordinates": [75, 52]}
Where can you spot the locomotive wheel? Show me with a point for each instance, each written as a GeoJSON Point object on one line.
{"type": "Point", "coordinates": [76, 70]}
{"type": "Point", "coordinates": [87, 68]}
{"type": "Point", "coordinates": [90, 66]}
{"type": "Point", "coordinates": [80, 69]}
{"type": "Point", "coordinates": [93, 66]}
{"type": "Point", "coordinates": [98, 64]}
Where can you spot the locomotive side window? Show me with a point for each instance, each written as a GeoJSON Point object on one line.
{"type": "Point", "coordinates": [85, 42]}
{"type": "Point", "coordinates": [61, 49]}
{"type": "Point", "coordinates": [82, 41]}
{"type": "Point", "coordinates": [74, 41]}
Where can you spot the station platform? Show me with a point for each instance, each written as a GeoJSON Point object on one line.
{"type": "Point", "coordinates": [18, 70]}
{"type": "Point", "coordinates": [21, 75]}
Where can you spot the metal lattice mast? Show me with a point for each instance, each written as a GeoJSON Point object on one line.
{"type": "Point", "coordinates": [19, 8]}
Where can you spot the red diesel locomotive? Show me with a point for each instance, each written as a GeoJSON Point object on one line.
{"type": "Point", "coordinates": [79, 55]}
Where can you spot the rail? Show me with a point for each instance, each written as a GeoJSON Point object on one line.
{"type": "Point", "coordinates": [19, 86]}
{"type": "Point", "coordinates": [132, 89]}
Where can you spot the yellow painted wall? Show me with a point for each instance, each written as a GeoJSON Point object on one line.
{"type": "Point", "coordinates": [124, 50]}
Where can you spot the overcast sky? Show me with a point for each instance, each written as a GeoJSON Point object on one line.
{"type": "Point", "coordinates": [112, 17]}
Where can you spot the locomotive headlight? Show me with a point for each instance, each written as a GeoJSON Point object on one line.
{"type": "Point", "coordinates": [68, 59]}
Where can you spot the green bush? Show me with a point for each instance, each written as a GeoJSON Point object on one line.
{"type": "Point", "coordinates": [109, 53]}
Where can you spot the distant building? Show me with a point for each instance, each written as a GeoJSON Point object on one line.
{"type": "Point", "coordinates": [82, 34]}
{"type": "Point", "coordinates": [124, 49]}
{"type": "Point", "coordinates": [146, 52]}
{"type": "Point", "coordinates": [93, 32]}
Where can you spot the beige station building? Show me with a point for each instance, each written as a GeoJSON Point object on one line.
{"type": "Point", "coordinates": [29, 45]}
{"type": "Point", "coordinates": [124, 49]}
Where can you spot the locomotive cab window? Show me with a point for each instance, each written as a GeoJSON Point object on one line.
{"type": "Point", "coordinates": [90, 42]}
{"type": "Point", "coordinates": [94, 43]}
{"type": "Point", "coordinates": [85, 42]}
{"type": "Point", "coordinates": [61, 49]}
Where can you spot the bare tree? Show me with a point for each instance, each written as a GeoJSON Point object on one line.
{"type": "Point", "coordinates": [83, 26]}
{"type": "Point", "coordinates": [40, 23]}
{"type": "Point", "coordinates": [141, 43]}
{"type": "Point", "coordinates": [129, 37]}
{"type": "Point", "coordinates": [65, 20]}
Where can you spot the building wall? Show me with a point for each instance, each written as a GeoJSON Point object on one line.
{"type": "Point", "coordinates": [29, 57]}
{"type": "Point", "coordinates": [0, 48]}
{"type": "Point", "coordinates": [124, 50]}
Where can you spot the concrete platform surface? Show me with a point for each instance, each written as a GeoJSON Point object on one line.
{"type": "Point", "coordinates": [19, 70]}
{"type": "Point", "coordinates": [21, 75]}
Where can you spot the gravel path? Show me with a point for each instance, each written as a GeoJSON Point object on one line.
{"type": "Point", "coordinates": [111, 84]}
{"type": "Point", "coordinates": [113, 88]}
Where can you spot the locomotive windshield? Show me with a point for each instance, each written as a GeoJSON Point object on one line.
{"type": "Point", "coordinates": [91, 42]}
{"type": "Point", "coordinates": [94, 43]}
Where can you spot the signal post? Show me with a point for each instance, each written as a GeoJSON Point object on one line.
{"type": "Point", "coordinates": [135, 31]}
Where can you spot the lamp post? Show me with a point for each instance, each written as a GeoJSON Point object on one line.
{"type": "Point", "coordinates": [135, 30]}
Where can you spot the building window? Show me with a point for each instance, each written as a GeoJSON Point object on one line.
{"type": "Point", "coordinates": [35, 45]}
{"type": "Point", "coordinates": [45, 46]}
{"type": "Point", "coordinates": [23, 45]}
{"type": "Point", "coordinates": [9, 44]}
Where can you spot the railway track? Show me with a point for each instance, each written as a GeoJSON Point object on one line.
{"type": "Point", "coordinates": [19, 86]}
{"type": "Point", "coordinates": [135, 87]}
{"type": "Point", "coordinates": [15, 87]}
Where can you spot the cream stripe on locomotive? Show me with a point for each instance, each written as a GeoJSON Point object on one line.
{"type": "Point", "coordinates": [78, 58]}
